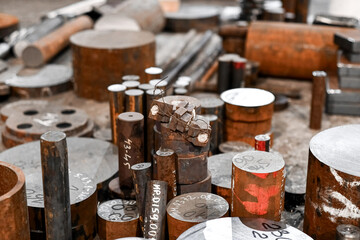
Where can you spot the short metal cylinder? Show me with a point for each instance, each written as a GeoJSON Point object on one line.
{"type": "Point", "coordinates": [153, 73]}
{"type": "Point", "coordinates": [134, 100]}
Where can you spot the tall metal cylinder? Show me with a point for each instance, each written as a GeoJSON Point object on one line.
{"type": "Point", "coordinates": [117, 101]}
{"type": "Point", "coordinates": [55, 173]}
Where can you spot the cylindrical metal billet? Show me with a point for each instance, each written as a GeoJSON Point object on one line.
{"type": "Point", "coordinates": [257, 185]}
{"type": "Point", "coordinates": [311, 46]}
{"type": "Point", "coordinates": [333, 177]}
{"type": "Point", "coordinates": [202, 186]}
{"type": "Point", "coordinates": [118, 218]}
{"type": "Point", "coordinates": [235, 146]}
{"type": "Point", "coordinates": [347, 232]}
{"type": "Point", "coordinates": [187, 210]}
{"type": "Point", "coordinates": [134, 100]}
{"type": "Point", "coordinates": [262, 142]}
{"type": "Point", "coordinates": [248, 104]}
{"type": "Point", "coordinates": [224, 72]}
{"type": "Point", "coordinates": [14, 221]}
{"type": "Point", "coordinates": [214, 138]}
{"type": "Point", "coordinates": [220, 168]}
{"type": "Point", "coordinates": [47, 47]}
{"type": "Point", "coordinates": [153, 73]}
{"type": "Point", "coordinates": [248, 113]}
{"type": "Point", "coordinates": [55, 173]}
{"type": "Point", "coordinates": [155, 210]}
{"type": "Point", "coordinates": [130, 78]}
{"type": "Point", "coordinates": [166, 160]}
{"type": "Point", "coordinates": [42, 29]}
{"type": "Point", "coordinates": [242, 229]}
{"type": "Point", "coordinates": [119, 53]}
{"type": "Point", "coordinates": [317, 99]}
{"type": "Point", "coordinates": [191, 169]}
{"type": "Point", "coordinates": [302, 9]}
{"type": "Point", "coordinates": [131, 84]}
{"type": "Point", "coordinates": [131, 147]}
{"type": "Point", "coordinates": [142, 173]}
{"type": "Point", "coordinates": [117, 100]}
{"type": "Point", "coordinates": [238, 67]}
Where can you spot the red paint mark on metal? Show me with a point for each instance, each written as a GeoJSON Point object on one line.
{"type": "Point", "coordinates": [238, 65]}
{"type": "Point", "coordinates": [263, 195]}
{"type": "Point", "coordinates": [261, 175]}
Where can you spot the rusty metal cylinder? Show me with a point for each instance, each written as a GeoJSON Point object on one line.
{"type": "Point", "coordinates": [14, 221]}
{"type": "Point", "coordinates": [118, 53]}
{"type": "Point", "coordinates": [258, 183]}
{"type": "Point", "coordinates": [130, 127]}
{"type": "Point", "coordinates": [142, 174]}
{"type": "Point", "coordinates": [333, 177]}
{"type": "Point", "coordinates": [134, 100]}
{"type": "Point", "coordinates": [203, 185]}
{"type": "Point", "coordinates": [317, 99]}
{"type": "Point", "coordinates": [118, 218]}
{"type": "Point", "coordinates": [165, 161]}
{"type": "Point", "coordinates": [117, 100]}
{"type": "Point", "coordinates": [47, 47]}
{"type": "Point", "coordinates": [55, 174]}
{"type": "Point", "coordinates": [153, 73]}
{"type": "Point", "coordinates": [309, 49]}
{"type": "Point", "coordinates": [248, 113]}
{"type": "Point", "coordinates": [155, 210]}
{"type": "Point", "coordinates": [187, 210]}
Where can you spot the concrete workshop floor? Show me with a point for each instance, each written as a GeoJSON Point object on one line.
{"type": "Point", "coordinates": [290, 126]}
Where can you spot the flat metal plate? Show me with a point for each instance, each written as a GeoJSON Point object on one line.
{"type": "Point", "coordinates": [97, 159]}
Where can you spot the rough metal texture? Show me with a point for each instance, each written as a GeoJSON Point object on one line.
{"type": "Point", "coordinates": [131, 52]}
{"type": "Point", "coordinates": [55, 174]}
{"type": "Point", "coordinates": [29, 123]}
{"type": "Point", "coordinates": [332, 189]}
{"type": "Point", "coordinates": [14, 221]}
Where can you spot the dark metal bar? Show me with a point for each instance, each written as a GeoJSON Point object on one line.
{"type": "Point", "coordinates": [54, 162]}
{"type": "Point", "coordinates": [317, 100]}
{"type": "Point", "coordinates": [142, 174]}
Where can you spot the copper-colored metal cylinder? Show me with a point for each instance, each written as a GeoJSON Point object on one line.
{"type": "Point", "coordinates": [155, 210]}
{"type": "Point", "coordinates": [248, 113]}
{"type": "Point", "coordinates": [14, 222]}
{"type": "Point", "coordinates": [117, 100]}
{"type": "Point", "coordinates": [47, 47]}
{"type": "Point", "coordinates": [55, 172]}
{"type": "Point", "coordinates": [317, 99]}
{"type": "Point", "coordinates": [134, 101]}
{"type": "Point", "coordinates": [333, 177]}
{"type": "Point", "coordinates": [310, 48]}
{"type": "Point", "coordinates": [153, 73]}
{"type": "Point", "coordinates": [166, 160]}
{"type": "Point", "coordinates": [118, 218]}
{"type": "Point", "coordinates": [192, 169]}
{"type": "Point", "coordinates": [118, 53]}
{"type": "Point", "coordinates": [258, 185]}
{"type": "Point", "coordinates": [187, 210]}
{"type": "Point", "coordinates": [130, 127]}
{"type": "Point", "coordinates": [8, 24]}
{"type": "Point", "coordinates": [302, 9]}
